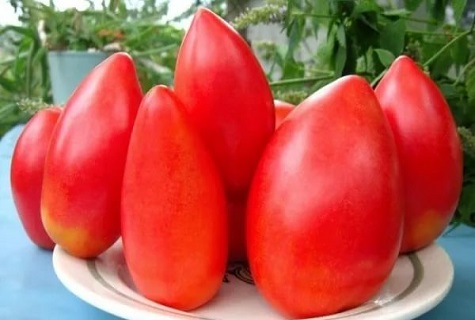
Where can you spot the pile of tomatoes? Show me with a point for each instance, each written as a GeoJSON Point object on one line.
{"type": "Point", "coordinates": [195, 176]}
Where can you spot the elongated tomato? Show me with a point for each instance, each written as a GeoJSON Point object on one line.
{"type": "Point", "coordinates": [429, 148]}
{"type": "Point", "coordinates": [80, 201]}
{"type": "Point", "coordinates": [226, 94]}
{"type": "Point", "coordinates": [324, 219]}
{"type": "Point", "coordinates": [27, 169]}
{"type": "Point", "coordinates": [174, 220]}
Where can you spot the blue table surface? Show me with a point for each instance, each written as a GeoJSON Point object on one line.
{"type": "Point", "coordinates": [29, 289]}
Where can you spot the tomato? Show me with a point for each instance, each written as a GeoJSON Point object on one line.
{"type": "Point", "coordinates": [26, 173]}
{"type": "Point", "coordinates": [324, 218]}
{"type": "Point", "coordinates": [80, 203]}
{"type": "Point", "coordinates": [174, 220]}
{"type": "Point", "coordinates": [429, 148]}
{"type": "Point", "coordinates": [226, 94]}
{"type": "Point", "coordinates": [282, 109]}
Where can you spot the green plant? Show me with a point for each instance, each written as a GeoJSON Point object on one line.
{"type": "Point", "coordinates": [23, 74]}
{"type": "Point", "coordinates": [363, 37]}
{"type": "Point", "coordinates": [140, 31]}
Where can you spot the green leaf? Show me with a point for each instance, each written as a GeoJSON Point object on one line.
{"type": "Point", "coordinates": [438, 10]}
{"type": "Point", "coordinates": [342, 9]}
{"type": "Point", "coordinates": [7, 84]}
{"type": "Point", "coordinates": [6, 109]}
{"type": "Point", "coordinates": [366, 63]}
{"type": "Point", "coordinates": [386, 57]}
{"type": "Point", "coordinates": [412, 5]}
{"type": "Point", "coordinates": [397, 13]}
{"type": "Point", "coordinates": [371, 24]}
{"type": "Point", "coordinates": [341, 36]}
{"type": "Point", "coordinates": [448, 90]}
{"type": "Point", "coordinates": [321, 9]}
{"type": "Point", "coordinates": [392, 36]}
{"type": "Point", "coordinates": [470, 86]}
{"type": "Point", "coordinates": [293, 69]}
{"type": "Point", "coordinates": [441, 66]}
{"type": "Point", "coordinates": [325, 53]}
{"type": "Point", "coordinates": [295, 34]}
{"type": "Point", "coordinates": [460, 52]}
{"type": "Point", "coordinates": [27, 32]}
{"type": "Point", "coordinates": [340, 60]}
{"type": "Point", "coordinates": [459, 7]}
{"type": "Point", "coordinates": [366, 6]}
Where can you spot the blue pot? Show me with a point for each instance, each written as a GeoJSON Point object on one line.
{"type": "Point", "coordinates": [68, 68]}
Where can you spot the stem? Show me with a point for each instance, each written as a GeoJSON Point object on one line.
{"type": "Point", "coordinates": [429, 33]}
{"type": "Point", "coordinates": [300, 80]}
{"type": "Point", "coordinates": [274, 63]}
{"type": "Point", "coordinates": [448, 45]}
{"type": "Point", "coordinates": [376, 80]}
{"type": "Point", "coordinates": [140, 35]}
{"type": "Point", "coordinates": [29, 71]}
{"type": "Point", "coordinates": [154, 51]}
{"type": "Point", "coordinates": [418, 20]}
{"type": "Point", "coordinates": [314, 15]}
{"type": "Point", "coordinates": [465, 68]}
{"type": "Point", "coordinates": [318, 72]}
{"type": "Point", "coordinates": [12, 59]}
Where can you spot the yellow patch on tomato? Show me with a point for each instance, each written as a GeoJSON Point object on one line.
{"type": "Point", "coordinates": [76, 241]}
{"type": "Point", "coordinates": [423, 230]}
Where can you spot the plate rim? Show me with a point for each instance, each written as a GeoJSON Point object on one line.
{"type": "Point", "coordinates": [109, 305]}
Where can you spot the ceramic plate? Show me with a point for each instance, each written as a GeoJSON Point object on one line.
{"type": "Point", "coordinates": [418, 282]}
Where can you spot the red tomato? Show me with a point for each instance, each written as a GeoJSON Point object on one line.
{"type": "Point", "coordinates": [174, 220]}
{"type": "Point", "coordinates": [324, 219]}
{"type": "Point", "coordinates": [26, 173]}
{"type": "Point", "coordinates": [429, 149]}
{"type": "Point", "coordinates": [226, 94]}
{"type": "Point", "coordinates": [282, 109]}
{"type": "Point", "coordinates": [80, 203]}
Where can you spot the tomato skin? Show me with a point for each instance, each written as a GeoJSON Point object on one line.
{"type": "Point", "coordinates": [26, 173]}
{"type": "Point", "coordinates": [80, 203]}
{"type": "Point", "coordinates": [234, 119]}
{"type": "Point", "coordinates": [282, 110]}
{"type": "Point", "coordinates": [225, 92]}
{"type": "Point", "coordinates": [324, 213]}
{"type": "Point", "coordinates": [174, 219]}
{"type": "Point", "coordinates": [429, 148]}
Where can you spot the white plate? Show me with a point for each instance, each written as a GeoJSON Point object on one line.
{"type": "Point", "coordinates": [418, 283]}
